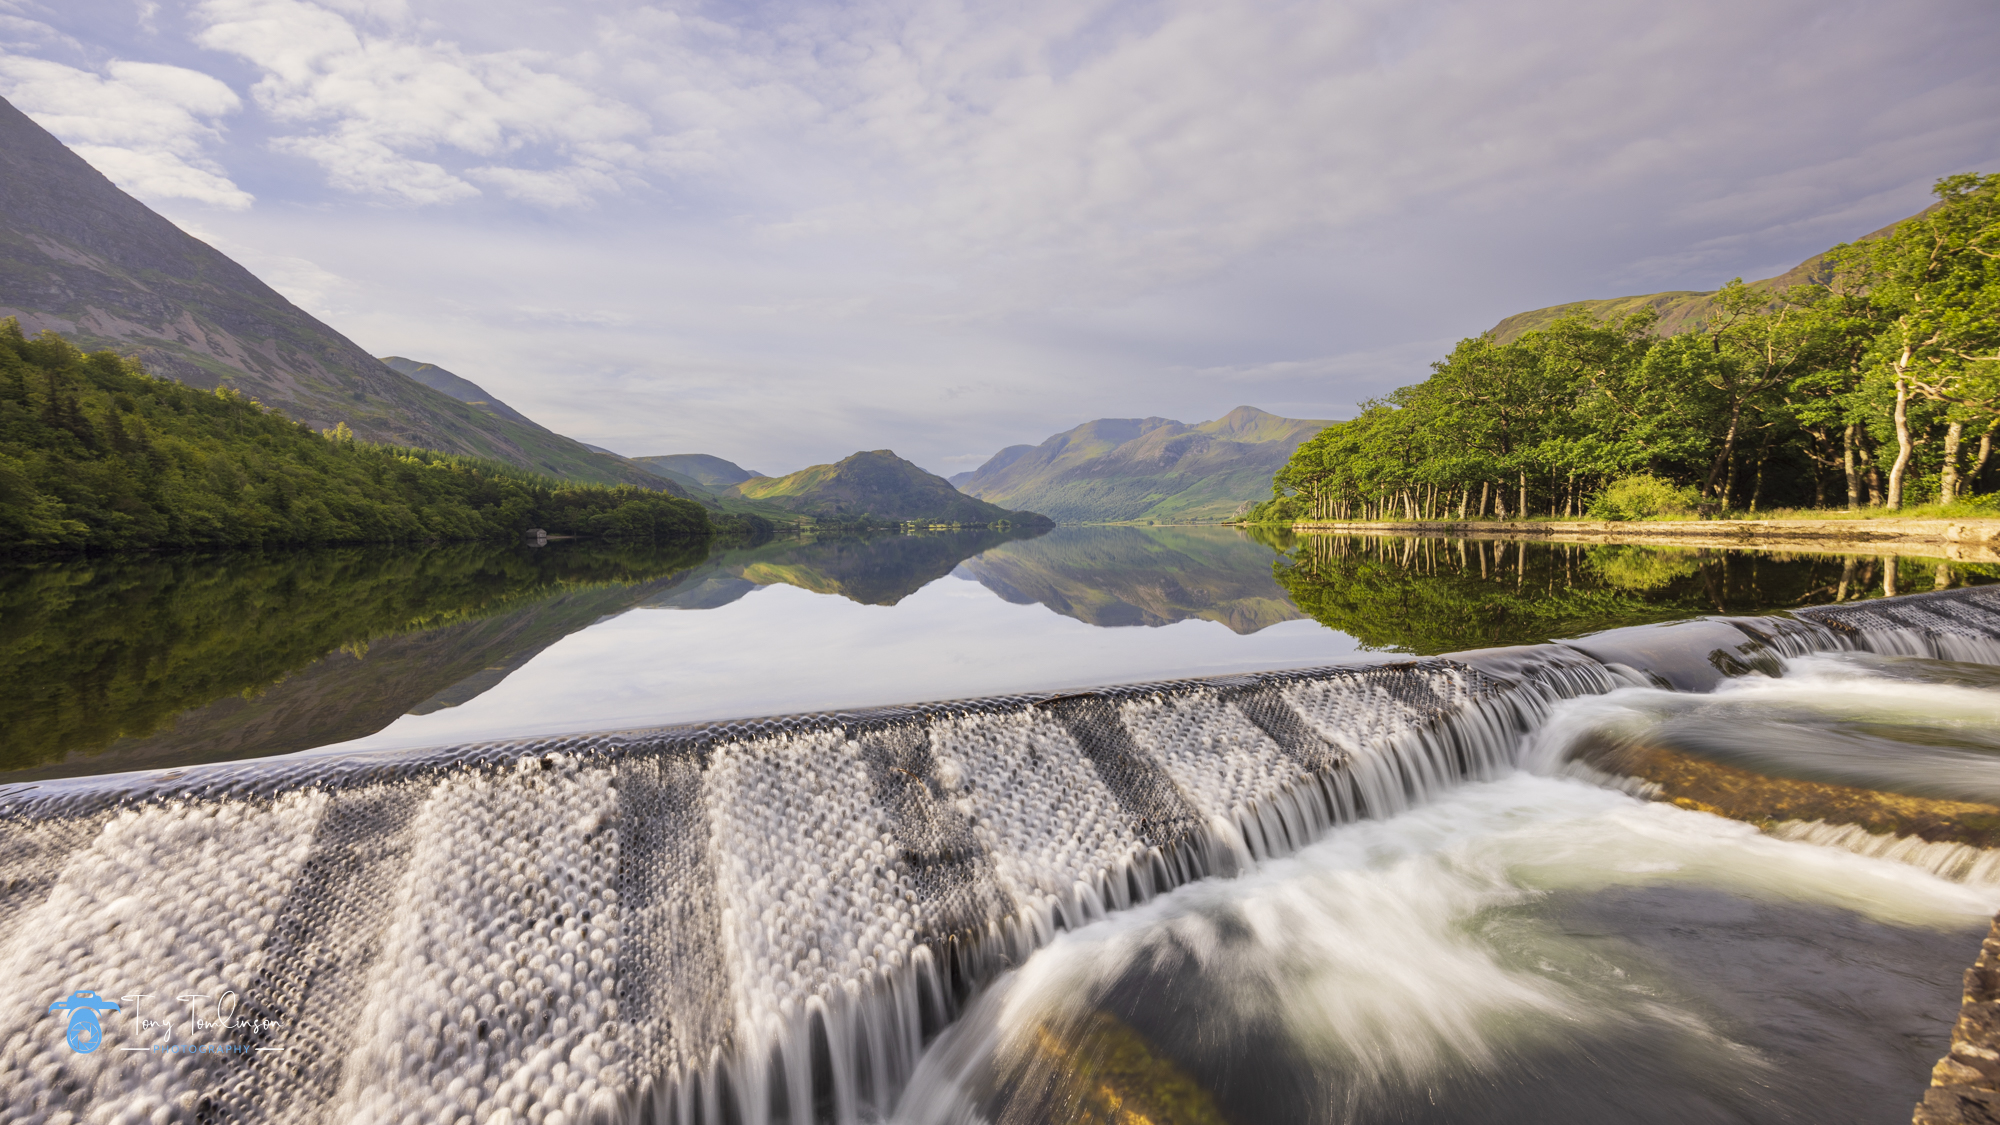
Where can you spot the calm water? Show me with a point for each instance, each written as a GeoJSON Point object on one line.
{"type": "Point", "coordinates": [118, 664]}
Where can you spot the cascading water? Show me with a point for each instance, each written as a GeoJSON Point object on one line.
{"type": "Point", "coordinates": [755, 921]}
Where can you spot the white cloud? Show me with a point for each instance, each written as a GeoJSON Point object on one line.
{"type": "Point", "coordinates": [947, 225]}
{"type": "Point", "coordinates": [147, 126]}
{"type": "Point", "coordinates": [389, 111]}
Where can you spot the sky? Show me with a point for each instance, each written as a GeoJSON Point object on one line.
{"type": "Point", "coordinates": [783, 232]}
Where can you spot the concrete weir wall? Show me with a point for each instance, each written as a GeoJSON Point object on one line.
{"type": "Point", "coordinates": [747, 921]}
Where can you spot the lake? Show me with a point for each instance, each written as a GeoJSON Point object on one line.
{"type": "Point", "coordinates": [145, 663]}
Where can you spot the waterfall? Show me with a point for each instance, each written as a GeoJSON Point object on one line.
{"type": "Point", "coordinates": [754, 921]}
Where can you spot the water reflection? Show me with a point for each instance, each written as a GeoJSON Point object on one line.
{"type": "Point", "coordinates": [1119, 576]}
{"type": "Point", "coordinates": [126, 663]}
{"type": "Point", "coordinates": [870, 570]}
{"type": "Point", "coordinates": [117, 664]}
{"type": "Point", "coordinates": [1445, 595]}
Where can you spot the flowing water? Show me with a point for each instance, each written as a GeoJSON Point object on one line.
{"type": "Point", "coordinates": [1537, 947]}
{"type": "Point", "coordinates": [1367, 889]}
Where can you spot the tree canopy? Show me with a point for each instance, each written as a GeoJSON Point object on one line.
{"type": "Point", "coordinates": [1867, 385]}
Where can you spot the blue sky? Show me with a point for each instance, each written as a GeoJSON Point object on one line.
{"type": "Point", "coordinates": [783, 232]}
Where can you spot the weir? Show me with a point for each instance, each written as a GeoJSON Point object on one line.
{"type": "Point", "coordinates": [753, 921]}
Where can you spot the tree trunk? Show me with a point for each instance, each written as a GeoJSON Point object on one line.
{"type": "Point", "coordinates": [1849, 438]}
{"type": "Point", "coordinates": [1524, 494]}
{"type": "Point", "coordinates": [1954, 435]}
{"type": "Point", "coordinates": [1902, 439]}
{"type": "Point", "coordinates": [1979, 464]}
{"type": "Point", "coordinates": [1484, 487]}
{"type": "Point", "coordinates": [1763, 455]}
{"type": "Point", "coordinates": [1724, 467]}
{"type": "Point", "coordinates": [1499, 503]}
{"type": "Point", "coordinates": [1464, 494]}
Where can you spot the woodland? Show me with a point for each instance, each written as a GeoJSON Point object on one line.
{"type": "Point", "coordinates": [1872, 386]}
{"type": "Point", "coordinates": [95, 454]}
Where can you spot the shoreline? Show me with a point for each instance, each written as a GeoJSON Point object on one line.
{"type": "Point", "coordinates": [1953, 540]}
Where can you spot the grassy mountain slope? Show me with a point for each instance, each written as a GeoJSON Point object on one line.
{"type": "Point", "coordinates": [1116, 469]}
{"type": "Point", "coordinates": [878, 484]}
{"type": "Point", "coordinates": [458, 387]}
{"type": "Point", "coordinates": [679, 471]}
{"type": "Point", "coordinates": [708, 471]}
{"type": "Point", "coordinates": [557, 455]}
{"type": "Point", "coordinates": [1679, 309]}
{"type": "Point", "coordinates": [1140, 576]}
{"type": "Point", "coordinates": [84, 259]}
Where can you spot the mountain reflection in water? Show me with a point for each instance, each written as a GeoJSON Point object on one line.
{"type": "Point", "coordinates": [150, 662]}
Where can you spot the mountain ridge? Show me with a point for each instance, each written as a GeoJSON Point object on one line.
{"type": "Point", "coordinates": [460, 388]}
{"type": "Point", "coordinates": [1111, 470]}
{"type": "Point", "coordinates": [706, 468]}
{"type": "Point", "coordinates": [1678, 309]}
{"type": "Point", "coordinates": [876, 483]}
{"type": "Point", "coordinates": [83, 258]}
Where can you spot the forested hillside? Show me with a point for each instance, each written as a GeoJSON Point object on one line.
{"type": "Point", "coordinates": [94, 453]}
{"type": "Point", "coordinates": [1875, 381]}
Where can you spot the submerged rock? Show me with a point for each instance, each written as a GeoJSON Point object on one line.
{"type": "Point", "coordinates": [1694, 782]}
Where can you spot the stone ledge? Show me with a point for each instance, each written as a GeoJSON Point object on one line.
{"type": "Point", "coordinates": [1965, 1084]}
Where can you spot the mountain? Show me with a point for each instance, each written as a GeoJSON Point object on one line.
{"type": "Point", "coordinates": [878, 484]}
{"type": "Point", "coordinates": [83, 258]}
{"type": "Point", "coordinates": [1679, 309]}
{"type": "Point", "coordinates": [707, 471]}
{"type": "Point", "coordinates": [1119, 469]}
{"type": "Point", "coordinates": [462, 389]}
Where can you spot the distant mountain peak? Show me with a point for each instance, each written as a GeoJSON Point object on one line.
{"type": "Point", "coordinates": [875, 483]}
{"type": "Point", "coordinates": [710, 471]}
{"type": "Point", "coordinates": [1118, 469]}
